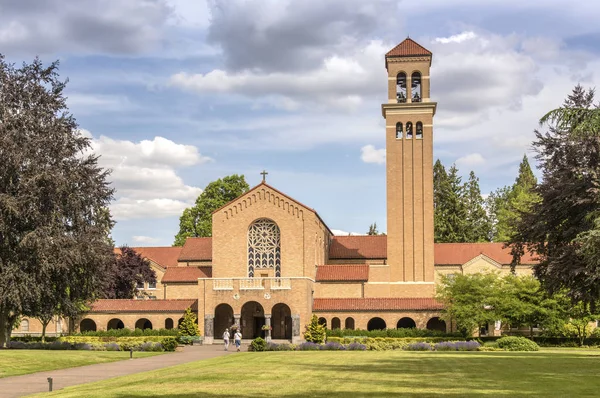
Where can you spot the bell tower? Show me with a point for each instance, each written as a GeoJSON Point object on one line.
{"type": "Point", "coordinates": [408, 117]}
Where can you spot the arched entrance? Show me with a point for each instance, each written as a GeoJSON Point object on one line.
{"type": "Point", "coordinates": [115, 323]}
{"type": "Point", "coordinates": [143, 324]}
{"type": "Point", "coordinates": [406, 323]}
{"type": "Point", "coordinates": [281, 322]}
{"type": "Point", "coordinates": [335, 323]}
{"type": "Point", "coordinates": [349, 324]}
{"type": "Point", "coordinates": [87, 325]}
{"type": "Point", "coordinates": [436, 323]}
{"type": "Point", "coordinates": [376, 324]}
{"type": "Point", "coordinates": [168, 323]}
{"type": "Point", "coordinates": [253, 319]}
{"type": "Point", "coordinates": [223, 319]}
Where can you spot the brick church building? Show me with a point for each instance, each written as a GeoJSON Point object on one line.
{"type": "Point", "coordinates": [273, 261]}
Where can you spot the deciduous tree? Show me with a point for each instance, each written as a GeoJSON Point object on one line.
{"type": "Point", "coordinates": [54, 222]}
{"type": "Point", "coordinates": [129, 269]}
{"type": "Point", "coordinates": [196, 221]}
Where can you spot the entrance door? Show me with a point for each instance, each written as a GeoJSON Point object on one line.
{"type": "Point", "coordinates": [259, 322]}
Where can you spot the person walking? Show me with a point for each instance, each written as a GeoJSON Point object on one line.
{"type": "Point", "coordinates": [226, 339]}
{"type": "Point", "coordinates": [238, 339]}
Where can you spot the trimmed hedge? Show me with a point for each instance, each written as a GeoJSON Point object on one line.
{"type": "Point", "coordinates": [395, 333]}
{"type": "Point", "coordinates": [387, 343]}
{"type": "Point", "coordinates": [514, 343]}
{"type": "Point", "coordinates": [130, 333]}
{"type": "Point", "coordinates": [166, 344]}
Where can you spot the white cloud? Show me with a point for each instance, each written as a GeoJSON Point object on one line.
{"type": "Point", "coordinates": [339, 82]}
{"type": "Point", "coordinates": [459, 38]}
{"type": "Point", "coordinates": [144, 175]}
{"type": "Point", "coordinates": [470, 160]}
{"type": "Point", "coordinates": [369, 154]}
{"type": "Point", "coordinates": [145, 239]}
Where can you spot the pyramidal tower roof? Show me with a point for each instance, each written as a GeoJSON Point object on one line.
{"type": "Point", "coordinates": [408, 48]}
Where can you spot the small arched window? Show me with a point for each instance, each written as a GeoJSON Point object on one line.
{"type": "Point", "coordinates": [401, 87]}
{"type": "Point", "coordinates": [409, 130]}
{"type": "Point", "coordinates": [25, 325]}
{"type": "Point", "coordinates": [416, 93]}
{"type": "Point", "coordinates": [399, 130]}
{"type": "Point", "coordinates": [419, 130]}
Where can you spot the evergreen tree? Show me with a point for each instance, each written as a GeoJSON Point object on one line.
{"type": "Point", "coordinates": [450, 207]}
{"type": "Point", "coordinates": [478, 222]}
{"type": "Point", "coordinates": [373, 229]}
{"type": "Point", "coordinates": [196, 221]}
{"type": "Point", "coordinates": [561, 228]}
{"type": "Point", "coordinates": [189, 326]}
{"type": "Point", "coordinates": [441, 187]}
{"type": "Point", "coordinates": [515, 200]}
{"type": "Point", "coordinates": [315, 332]}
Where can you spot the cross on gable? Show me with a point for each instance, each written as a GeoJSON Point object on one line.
{"type": "Point", "coordinates": [264, 175]}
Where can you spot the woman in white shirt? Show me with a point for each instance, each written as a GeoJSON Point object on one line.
{"type": "Point", "coordinates": [226, 339]}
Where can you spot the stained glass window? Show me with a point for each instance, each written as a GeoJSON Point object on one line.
{"type": "Point", "coordinates": [264, 246]}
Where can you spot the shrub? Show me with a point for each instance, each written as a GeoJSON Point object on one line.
{"type": "Point", "coordinates": [418, 347]}
{"type": "Point", "coordinates": [309, 346]}
{"type": "Point", "coordinates": [356, 347]}
{"type": "Point", "coordinates": [82, 346]}
{"type": "Point", "coordinates": [17, 345]}
{"type": "Point", "coordinates": [332, 346]}
{"type": "Point", "coordinates": [189, 326]}
{"type": "Point", "coordinates": [315, 332]}
{"type": "Point", "coordinates": [386, 343]}
{"type": "Point", "coordinates": [112, 347]}
{"type": "Point", "coordinates": [395, 333]}
{"type": "Point", "coordinates": [258, 344]}
{"type": "Point", "coordinates": [130, 333]}
{"type": "Point", "coordinates": [457, 346]}
{"type": "Point", "coordinates": [514, 343]}
{"type": "Point", "coordinates": [150, 347]}
{"type": "Point", "coordinates": [285, 347]}
{"type": "Point", "coordinates": [59, 345]}
{"type": "Point", "coordinates": [169, 344]}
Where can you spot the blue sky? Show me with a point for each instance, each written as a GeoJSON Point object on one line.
{"type": "Point", "coordinates": [175, 94]}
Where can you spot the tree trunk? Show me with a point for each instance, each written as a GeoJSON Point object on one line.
{"type": "Point", "coordinates": [6, 326]}
{"type": "Point", "coordinates": [44, 325]}
{"type": "Point", "coordinates": [3, 336]}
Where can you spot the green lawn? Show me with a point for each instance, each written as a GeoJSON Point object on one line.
{"type": "Point", "coordinates": [558, 373]}
{"type": "Point", "coordinates": [19, 362]}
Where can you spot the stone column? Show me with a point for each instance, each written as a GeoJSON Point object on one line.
{"type": "Point", "coordinates": [209, 334]}
{"type": "Point", "coordinates": [268, 331]}
{"type": "Point", "coordinates": [296, 338]}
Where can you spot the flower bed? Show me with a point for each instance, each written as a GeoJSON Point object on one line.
{"type": "Point", "coordinates": [166, 344]}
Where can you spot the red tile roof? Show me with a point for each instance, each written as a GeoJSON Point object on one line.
{"type": "Point", "coordinates": [376, 304]}
{"type": "Point", "coordinates": [164, 256]}
{"type": "Point", "coordinates": [143, 305]}
{"type": "Point", "coordinates": [358, 247]}
{"type": "Point", "coordinates": [196, 249]}
{"type": "Point", "coordinates": [339, 273]}
{"type": "Point", "coordinates": [408, 48]}
{"type": "Point", "coordinates": [460, 253]}
{"type": "Point", "coordinates": [186, 274]}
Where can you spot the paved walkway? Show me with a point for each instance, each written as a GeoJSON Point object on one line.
{"type": "Point", "coordinates": [18, 386]}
